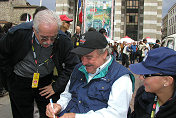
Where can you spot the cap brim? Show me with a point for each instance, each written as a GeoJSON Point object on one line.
{"type": "Point", "coordinates": [69, 20]}
{"type": "Point", "coordinates": [82, 51]}
{"type": "Point", "coordinates": [140, 69]}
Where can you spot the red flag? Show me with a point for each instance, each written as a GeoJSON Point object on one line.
{"type": "Point", "coordinates": [80, 16]}
{"type": "Point", "coordinates": [103, 21]}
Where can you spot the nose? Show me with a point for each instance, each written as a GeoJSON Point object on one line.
{"type": "Point", "coordinates": [49, 41]}
{"type": "Point", "coordinates": [84, 60]}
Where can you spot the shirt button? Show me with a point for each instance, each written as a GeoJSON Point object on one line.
{"type": "Point", "coordinates": [81, 79]}
{"type": "Point", "coordinates": [80, 102]}
{"type": "Point", "coordinates": [102, 87]}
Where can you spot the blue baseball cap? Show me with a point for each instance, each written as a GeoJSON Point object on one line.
{"type": "Point", "coordinates": [160, 60]}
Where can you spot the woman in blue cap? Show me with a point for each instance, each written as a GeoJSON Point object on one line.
{"type": "Point", "coordinates": [157, 97]}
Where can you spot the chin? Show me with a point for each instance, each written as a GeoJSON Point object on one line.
{"type": "Point", "coordinates": [45, 46]}
{"type": "Point", "coordinates": [89, 71]}
{"type": "Point", "coordinates": [147, 90]}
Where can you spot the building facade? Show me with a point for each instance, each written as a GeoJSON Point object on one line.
{"type": "Point", "coordinates": [171, 20]}
{"type": "Point", "coordinates": [164, 26]}
{"type": "Point", "coordinates": [135, 18]}
{"type": "Point", "coordinates": [15, 11]}
{"type": "Point", "coordinates": [67, 7]}
{"type": "Point", "coordinates": [138, 19]}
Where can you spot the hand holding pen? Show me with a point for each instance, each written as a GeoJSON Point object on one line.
{"type": "Point", "coordinates": [52, 109]}
{"type": "Point", "coordinates": [51, 101]}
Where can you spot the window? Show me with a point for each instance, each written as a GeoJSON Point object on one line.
{"type": "Point", "coordinates": [132, 18]}
{"type": "Point", "coordinates": [24, 17]}
{"type": "Point", "coordinates": [132, 4]}
{"type": "Point", "coordinates": [132, 10]}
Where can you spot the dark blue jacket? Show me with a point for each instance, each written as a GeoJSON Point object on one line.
{"type": "Point", "coordinates": [95, 94]}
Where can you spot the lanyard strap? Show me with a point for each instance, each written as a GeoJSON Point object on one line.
{"type": "Point", "coordinates": [35, 56]}
{"type": "Point", "coordinates": [154, 107]}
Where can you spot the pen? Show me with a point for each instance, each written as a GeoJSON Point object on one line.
{"type": "Point", "coordinates": [51, 101]}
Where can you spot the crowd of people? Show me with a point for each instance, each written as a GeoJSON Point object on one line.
{"type": "Point", "coordinates": [128, 53]}
{"type": "Point", "coordinates": [89, 82]}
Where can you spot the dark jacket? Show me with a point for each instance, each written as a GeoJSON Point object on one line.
{"type": "Point", "coordinates": [156, 46]}
{"type": "Point", "coordinates": [143, 106]}
{"type": "Point", "coordinates": [18, 42]}
{"type": "Point", "coordinates": [76, 39]}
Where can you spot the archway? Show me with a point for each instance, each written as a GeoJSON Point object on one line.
{"type": "Point", "coordinates": [25, 17]}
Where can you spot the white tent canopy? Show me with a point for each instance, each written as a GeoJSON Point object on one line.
{"type": "Point", "coordinates": [126, 39]}
{"type": "Point", "coordinates": [150, 40]}
{"type": "Point", "coordinates": [109, 40]}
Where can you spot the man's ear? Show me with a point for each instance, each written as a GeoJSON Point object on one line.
{"type": "Point", "coordinates": [105, 54]}
{"type": "Point", "coordinates": [169, 80]}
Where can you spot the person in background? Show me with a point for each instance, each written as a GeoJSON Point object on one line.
{"type": "Point", "coordinates": [147, 46]}
{"type": "Point", "coordinates": [3, 91]}
{"type": "Point", "coordinates": [1, 31]}
{"type": "Point", "coordinates": [141, 48]}
{"type": "Point", "coordinates": [157, 97]}
{"type": "Point", "coordinates": [119, 58]}
{"type": "Point", "coordinates": [40, 8]}
{"type": "Point", "coordinates": [133, 52]}
{"type": "Point", "coordinates": [3, 86]}
{"type": "Point", "coordinates": [65, 25]}
{"type": "Point", "coordinates": [6, 27]}
{"type": "Point", "coordinates": [99, 86]}
{"type": "Point", "coordinates": [157, 45]}
{"type": "Point", "coordinates": [115, 52]}
{"type": "Point", "coordinates": [76, 37]}
{"type": "Point", "coordinates": [103, 31]}
{"type": "Point", "coordinates": [28, 55]}
{"type": "Point", "coordinates": [125, 54]}
{"type": "Point", "coordinates": [91, 29]}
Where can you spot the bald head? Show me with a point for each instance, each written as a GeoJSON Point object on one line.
{"type": "Point", "coordinates": [78, 29]}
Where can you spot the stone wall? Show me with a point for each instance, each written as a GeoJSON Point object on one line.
{"type": "Point", "coordinates": [5, 10]}
{"type": "Point", "coordinates": [17, 12]}
{"type": "Point", "coordinates": [11, 11]}
{"type": "Point", "coordinates": [18, 2]}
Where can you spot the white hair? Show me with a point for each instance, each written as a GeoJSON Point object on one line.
{"type": "Point", "coordinates": [47, 17]}
{"type": "Point", "coordinates": [109, 50]}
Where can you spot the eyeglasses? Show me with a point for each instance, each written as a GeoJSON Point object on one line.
{"type": "Point", "coordinates": [68, 22]}
{"type": "Point", "coordinates": [151, 75]}
{"type": "Point", "coordinates": [46, 38]}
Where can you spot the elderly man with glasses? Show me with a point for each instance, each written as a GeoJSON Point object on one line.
{"type": "Point", "coordinates": [28, 54]}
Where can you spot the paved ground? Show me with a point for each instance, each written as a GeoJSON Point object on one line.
{"type": "Point", "coordinates": [5, 109]}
